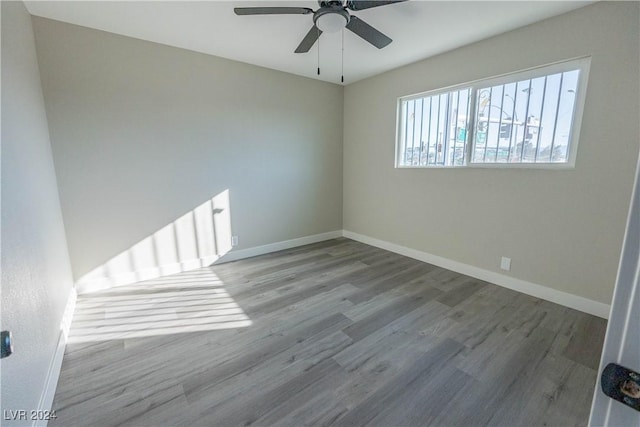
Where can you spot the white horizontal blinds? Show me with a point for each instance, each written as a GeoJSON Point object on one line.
{"type": "Point", "coordinates": [528, 121]}
{"type": "Point", "coordinates": [434, 129]}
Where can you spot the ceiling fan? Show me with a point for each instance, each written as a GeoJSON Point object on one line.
{"type": "Point", "coordinates": [332, 16]}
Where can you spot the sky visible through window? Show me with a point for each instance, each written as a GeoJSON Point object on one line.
{"type": "Point", "coordinates": [527, 121]}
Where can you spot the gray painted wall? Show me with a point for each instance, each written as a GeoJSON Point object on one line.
{"type": "Point", "coordinates": [562, 229]}
{"type": "Point", "coordinates": [143, 133]}
{"type": "Point", "coordinates": [36, 274]}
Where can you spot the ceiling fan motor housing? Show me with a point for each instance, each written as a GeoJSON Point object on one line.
{"type": "Point", "coordinates": [330, 3]}
{"type": "Point", "coordinates": [331, 19]}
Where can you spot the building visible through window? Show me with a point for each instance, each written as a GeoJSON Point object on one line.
{"type": "Point", "coordinates": [530, 117]}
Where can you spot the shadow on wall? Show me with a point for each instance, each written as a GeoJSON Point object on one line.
{"type": "Point", "coordinates": [196, 239]}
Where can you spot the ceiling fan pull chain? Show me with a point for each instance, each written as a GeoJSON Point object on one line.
{"type": "Point", "coordinates": [342, 71]}
{"type": "Point", "coordinates": [318, 50]}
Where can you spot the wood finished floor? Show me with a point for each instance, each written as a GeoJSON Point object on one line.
{"type": "Point", "coordinates": [335, 333]}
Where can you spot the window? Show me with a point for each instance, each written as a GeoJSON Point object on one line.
{"type": "Point", "coordinates": [527, 118]}
{"type": "Point", "coordinates": [435, 129]}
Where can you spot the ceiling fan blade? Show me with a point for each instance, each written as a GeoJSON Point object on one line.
{"type": "Point", "coordinates": [272, 10]}
{"type": "Point", "coordinates": [367, 32]}
{"type": "Point", "coordinates": [361, 4]}
{"type": "Point", "coordinates": [309, 40]}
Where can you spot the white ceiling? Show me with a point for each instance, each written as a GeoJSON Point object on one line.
{"type": "Point", "coordinates": [419, 29]}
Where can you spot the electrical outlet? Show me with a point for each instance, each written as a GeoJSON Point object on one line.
{"type": "Point", "coordinates": [505, 263]}
{"type": "Point", "coordinates": [234, 240]}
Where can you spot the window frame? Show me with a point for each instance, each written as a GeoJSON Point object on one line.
{"type": "Point", "coordinates": [582, 64]}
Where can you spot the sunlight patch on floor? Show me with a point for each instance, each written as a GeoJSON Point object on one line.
{"type": "Point", "coordinates": [167, 306]}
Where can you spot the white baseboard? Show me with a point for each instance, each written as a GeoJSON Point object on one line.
{"type": "Point", "coordinates": [49, 391]}
{"type": "Point", "coordinates": [98, 283]}
{"type": "Point", "coordinates": [539, 291]}
{"type": "Point", "coordinates": [559, 297]}
{"type": "Point", "coordinates": [235, 255]}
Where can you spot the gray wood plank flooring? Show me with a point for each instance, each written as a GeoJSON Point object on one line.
{"type": "Point", "coordinates": [334, 333]}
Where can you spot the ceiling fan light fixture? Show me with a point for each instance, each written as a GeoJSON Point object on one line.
{"type": "Point", "coordinates": [332, 22]}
